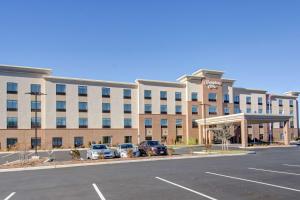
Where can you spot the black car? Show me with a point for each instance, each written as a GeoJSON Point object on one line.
{"type": "Point", "coordinates": [153, 147]}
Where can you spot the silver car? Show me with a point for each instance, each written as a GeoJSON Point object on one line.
{"type": "Point", "coordinates": [98, 149]}
{"type": "Point", "coordinates": [122, 150]}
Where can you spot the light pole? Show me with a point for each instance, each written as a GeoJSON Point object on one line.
{"type": "Point", "coordinates": [36, 94]}
{"type": "Point", "coordinates": [270, 125]}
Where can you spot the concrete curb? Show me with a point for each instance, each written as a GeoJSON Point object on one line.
{"type": "Point", "coordinates": [116, 162]}
{"type": "Point", "coordinates": [268, 147]}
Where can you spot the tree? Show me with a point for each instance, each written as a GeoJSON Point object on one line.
{"type": "Point", "coordinates": [223, 133]}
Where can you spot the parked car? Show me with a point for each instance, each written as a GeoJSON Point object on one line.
{"type": "Point", "coordinates": [153, 147]}
{"type": "Point", "coordinates": [123, 150]}
{"type": "Point", "coordinates": [98, 149]}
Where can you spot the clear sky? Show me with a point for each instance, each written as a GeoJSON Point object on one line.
{"type": "Point", "coordinates": [255, 42]}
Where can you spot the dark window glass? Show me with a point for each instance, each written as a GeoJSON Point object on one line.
{"type": "Point", "coordinates": [106, 123]}
{"type": "Point", "coordinates": [163, 95]}
{"type": "Point", "coordinates": [147, 94]}
{"type": "Point", "coordinates": [178, 109]}
{"type": "Point", "coordinates": [212, 97]}
{"type": "Point", "coordinates": [127, 108]}
{"type": "Point", "coordinates": [83, 123]}
{"type": "Point", "coordinates": [57, 142]}
{"type": "Point", "coordinates": [226, 98]}
{"type": "Point", "coordinates": [35, 88]}
{"type": "Point", "coordinates": [106, 107]}
{"type": "Point", "coordinates": [83, 106]}
{"type": "Point", "coordinates": [127, 123]}
{"type": "Point", "coordinates": [248, 100]}
{"type": "Point", "coordinates": [61, 106]}
{"type": "Point", "coordinates": [12, 105]}
{"type": "Point", "coordinates": [148, 123]}
{"type": "Point", "coordinates": [12, 122]}
{"type": "Point", "coordinates": [163, 109]}
{"type": "Point", "coordinates": [60, 122]}
{"type": "Point", "coordinates": [164, 123]}
{"type": "Point", "coordinates": [78, 142]}
{"type": "Point", "coordinates": [177, 96]}
{"type": "Point", "coordinates": [194, 110]}
{"type": "Point", "coordinates": [212, 110]}
{"type": "Point", "coordinates": [178, 123]}
{"type": "Point", "coordinates": [82, 90]}
{"type": "Point", "coordinates": [194, 96]}
{"type": "Point", "coordinates": [36, 106]}
{"type": "Point", "coordinates": [127, 94]}
{"type": "Point", "coordinates": [148, 108]}
{"type": "Point", "coordinates": [128, 139]}
{"type": "Point", "coordinates": [194, 124]}
{"type": "Point", "coordinates": [60, 89]}
{"type": "Point", "coordinates": [106, 92]}
{"type": "Point", "coordinates": [11, 142]}
{"type": "Point", "coordinates": [12, 88]}
{"type": "Point", "coordinates": [35, 122]}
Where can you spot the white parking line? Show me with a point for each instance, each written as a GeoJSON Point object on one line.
{"type": "Point", "coordinates": [252, 181]}
{"type": "Point", "coordinates": [9, 196]}
{"type": "Point", "coordinates": [291, 165]}
{"type": "Point", "coordinates": [98, 192]}
{"type": "Point", "coordinates": [272, 171]}
{"type": "Point", "coordinates": [185, 188]}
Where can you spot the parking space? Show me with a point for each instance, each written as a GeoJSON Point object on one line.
{"type": "Point", "coordinates": [270, 174]}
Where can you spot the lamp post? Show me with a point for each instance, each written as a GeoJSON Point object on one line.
{"type": "Point", "coordinates": [270, 125]}
{"type": "Point", "coordinates": [36, 94]}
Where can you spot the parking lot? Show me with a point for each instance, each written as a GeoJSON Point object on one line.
{"type": "Point", "coordinates": [270, 174]}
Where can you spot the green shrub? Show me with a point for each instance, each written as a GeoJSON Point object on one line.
{"type": "Point", "coordinates": [75, 154]}
{"type": "Point", "coordinates": [192, 141]}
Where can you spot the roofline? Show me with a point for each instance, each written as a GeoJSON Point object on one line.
{"type": "Point", "coordinates": [283, 96]}
{"type": "Point", "coordinates": [160, 83]}
{"type": "Point", "coordinates": [250, 89]}
{"type": "Point", "coordinates": [25, 69]}
{"type": "Point", "coordinates": [209, 71]}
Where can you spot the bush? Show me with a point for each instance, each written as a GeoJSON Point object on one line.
{"type": "Point", "coordinates": [149, 153]}
{"type": "Point", "coordinates": [130, 153]}
{"type": "Point", "coordinates": [192, 141]}
{"type": "Point", "coordinates": [101, 156]}
{"type": "Point", "coordinates": [75, 154]}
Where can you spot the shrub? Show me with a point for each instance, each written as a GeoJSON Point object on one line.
{"type": "Point", "coordinates": [75, 154]}
{"type": "Point", "coordinates": [101, 156]}
{"type": "Point", "coordinates": [130, 153]}
{"type": "Point", "coordinates": [192, 141]}
{"type": "Point", "coordinates": [149, 153]}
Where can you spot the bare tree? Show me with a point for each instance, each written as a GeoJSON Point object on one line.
{"type": "Point", "coordinates": [223, 133]}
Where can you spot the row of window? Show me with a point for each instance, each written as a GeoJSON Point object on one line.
{"type": "Point", "coordinates": [12, 88]}
{"type": "Point", "coordinates": [164, 123]}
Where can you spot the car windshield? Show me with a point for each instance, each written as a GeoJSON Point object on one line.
{"type": "Point", "coordinates": [126, 146]}
{"type": "Point", "coordinates": [99, 147]}
{"type": "Point", "coordinates": [153, 143]}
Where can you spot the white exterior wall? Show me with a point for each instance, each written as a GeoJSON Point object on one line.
{"type": "Point", "coordinates": [49, 117]}
{"type": "Point", "coordinates": [193, 87]}
{"type": "Point", "coordinates": [94, 107]}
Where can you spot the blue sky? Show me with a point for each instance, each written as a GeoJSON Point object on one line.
{"type": "Point", "coordinates": [255, 42]}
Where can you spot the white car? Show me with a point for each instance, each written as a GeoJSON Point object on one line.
{"type": "Point", "coordinates": [97, 149]}
{"type": "Point", "coordinates": [122, 150]}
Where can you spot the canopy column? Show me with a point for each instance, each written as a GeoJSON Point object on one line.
{"type": "Point", "coordinates": [201, 130]}
{"type": "Point", "coordinates": [244, 132]}
{"type": "Point", "coordinates": [285, 132]}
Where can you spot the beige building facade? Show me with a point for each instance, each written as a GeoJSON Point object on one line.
{"type": "Point", "coordinates": [73, 112]}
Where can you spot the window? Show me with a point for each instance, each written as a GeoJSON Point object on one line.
{"type": "Point", "coordinates": [177, 96]}
{"type": "Point", "coordinates": [35, 122]}
{"type": "Point", "coordinates": [269, 110]}
{"type": "Point", "coordinates": [164, 123]}
{"type": "Point", "coordinates": [178, 123]}
{"type": "Point", "coordinates": [291, 103]}
{"type": "Point", "coordinates": [12, 122]}
{"type": "Point", "coordinates": [280, 112]}
{"type": "Point", "coordinates": [178, 109]}
{"type": "Point", "coordinates": [60, 106]}
{"type": "Point", "coordinates": [237, 110]}
{"type": "Point", "coordinates": [83, 106]}
{"type": "Point", "coordinates": [35, 142]}
{"type": "Point", "coordinates": [163, 109]}
{"type": "Point", "coordinates": [212, 110]}
{"type": "Point", "coordinates": [212, 97]}
{"type": "Point", "coordinates": [83, 123]}
{"type": "Point", "coordinates": [78, 142]}
{"type": "Point", "coordinates": [105, 107]}
{"type": "Point", "coordinates": [261, 126]}
{"type": "Point", "coordinates": [260, 101]}
{"type": "Point", "coordinates": [12, 105]}
{"type": "Point", "coordinates": [163, 95]}
{"type": "Point", "coordinates": [127, 123]}
{"type": "Point", "coordinates": [148, 108]}
{"type": "Point", "coordinates": [292, 124]}
{"type": "Point", "coordinates": [194, 96]}
{"type": "Point", "coordinates": [56, 142]}
{"type": "Point", "coordinates": [60, 89]}
{"type": "Point", "coordinates": [11, 142]}
{"type": "Point", "coordinates": [12, 88]}
{"type": "Point", "coordinates": [194, 124]}
{"type": "Point", "coordinates": [106, 92]}
{"type": "Point", "coordinates": [226, 111]}
{"type": "Point", "coordinates": [127, 139]}
{"type": "Point", "coordinates": [147, 94]}
{"type": "Point", "coordinates": [194, 110]}
{"type": "Point", "coordinates": [127, 108]}
{"type": "Point", "coordinates": [35, 106]}
{"type": "Point", "coordinates": [236, 99]}
{"type": "Point", "coordinates": [260, 111]}
{"type": "Point", "coordinates": [148, 123]}
{"type": "Point", "coordinates": [281, 124]}
{"type": "Point", "coordinates": [106, 140]}
{"type": "Point", "coordinates": [280, 103]}
{"type": "Point", "coordinates": [82, 90]}
{"type": "Point", "coordinates": [35, 88]}
{"type": "Point", "coordinates": [127, 94]}
{"type": "Point", "coordinates": [291, 112]}
{"type": "Point", "coordinates": [248, 110]}
{"type": "Point", "coordinates": [60, 122]}
{"type": "Point", "coordinates": [281, 136]}
{"type": "Point", "coordinates": [248, 100]}
{"type": "Point", "coordinates": [106, 123]}
{"type": "Point", "coordinates": [226, 98]}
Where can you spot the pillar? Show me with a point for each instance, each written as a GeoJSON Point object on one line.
{"type": "Point", "coordinates": [286, 133]}
{"type": "Point", "coordinates": [244, 133]}
{"type": "Point", "coordinates": [200, 138]}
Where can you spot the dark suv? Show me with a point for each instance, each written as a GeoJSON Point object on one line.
{"type": "Point", "coordinates": [152, 147]}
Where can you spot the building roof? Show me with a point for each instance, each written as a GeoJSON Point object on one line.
{"type": "Point", "coordinates": [24, 69]}
{"type": "Point", "coordinates": [160, 83]}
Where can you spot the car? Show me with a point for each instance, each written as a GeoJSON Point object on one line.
{"type": "Point", "coordinates": [97, 149]}
{"type": "Point", "coordinates": [123, 150]}
{"type": "Point", "coordinates": [152, 147]}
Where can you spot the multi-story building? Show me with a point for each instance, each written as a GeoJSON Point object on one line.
{"type": "Point", "coordinates": [76, 112]}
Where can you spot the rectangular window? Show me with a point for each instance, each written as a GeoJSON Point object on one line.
{"type": "Point", "coordinates": [127, 108]}
{"type": "Point", "coordinates": [248, 110]}
{"type": "Point", "coordinates": [178, 123]}
{"type": "Point", "coordinates": [163, 95]}
{"type": "Point", "coordinates": [260, 101]}
{"type": "Point", "coordinates": [212, 110]}
{"type": "Point", "coordinates": [291, 103]}
{"type": "Point", "coordinates": [194, 124]}
{"type": "Point", "coordinates": [12, 122]}
{"type": "Point", "coordinates": [127, 139]}
{"type": "Point", "coordinates": [35, 88]}
{"type": "Point", "coordinates": [127, 123]}
{"type": "Point", "coordinates": [11, 142]}
{"type": "Point", "coordinates": [106, 92]}
{"type": "Point", "coordinates": [194, 110]}
{"type": "Point", "coordinates": [60, 89]}
{"type": "Point", "coordinates": [260, 111]}
{"type": "Point", "coordinates": [248, 100]}
{"type": "Point", "coordinates": [105, 107]}
{"type": "Point", "coordinates": [177, 96]}
{"type": "Point", "coordinates": [12, 105]}
{"type": "Point", "coordinates": [78, 142]}
{"type": "Point", "coordinates": [127, 94]}
{"type": "Point", "coordinates": [280, 104]}
{"type": "Point", "coordinates": [281, 124]}
{"type": "Point", "coordinates": [178, 109]}
{"type": "Point", "coordinates": [148, 123]}
{"type": "Point", "coordinates": [35, 122]}
{"type": "Point", "coordinates": [83, 106]}
{"type": "Point", "coordinates": [106, 123]}
{"type": "Point", "coordinates": [148, 108]}
{"type": "Point", "coordinates": [35, 106]}
{"type": "Point", "coordinates": [226, 111]}
{"type": "Point", "coordinates": [269, 110]}
{"type": "Point", "coordinates": [212, 97]}
{"type": "Point", "coordinates": [106, 140]}
{"type": "Point", "coordinates": [226, 98]}
{"type": "Point", "coordinates": [35, 142]}
{"type": "Point", "coordinates": [237, 110]}
{"type": "Point", "coordinates": [292, 124]}
{"type": "Point", "coordinates": [194, 96]}
{"type": "Point", "coordinates": [291, 112]}
{"type": "Point", "coordinates": [12, 88]}
{"type": "Point", "coordinates": [56, 142]}
{"type": "Point", "coordinates": [83, 123]}
{"type": "Point", "coordinates": [82, 90]}
{"type": "Point", "coordinates": [163, 109]}
{"type": "Point", "coordinates": [164, 123]}
{"type": "Point", "coordinates": [60, 122]}
{"type": "Point", "coordinates": [147, 94]}
{"type": "Point", "coordinates": [60, 106]}
{"type": "Point", "coordinates": [280, 112]}
{"type": "Point", "coordinates": [236, 99]}
{"type": "Point", "coordinates": [261, 126]}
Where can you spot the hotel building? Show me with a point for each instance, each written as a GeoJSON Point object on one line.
{"type": "Point", "coordinates": [76, 112]}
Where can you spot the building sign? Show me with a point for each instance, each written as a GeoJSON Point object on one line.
{"type": "Point", "coordinates": [212, 84]}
